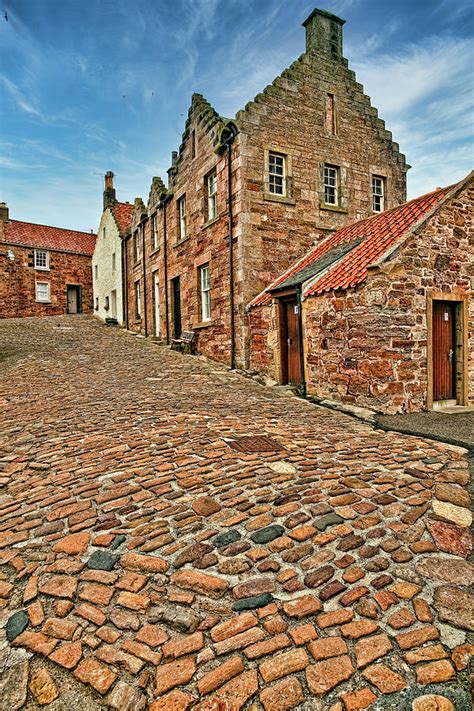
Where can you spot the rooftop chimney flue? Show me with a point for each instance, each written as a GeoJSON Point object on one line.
{"type": "Point", "coordinates": [4, 214]}
{"type": "Point", "coordinates": [324, 34]}
{"type": "Point", "coordinates": [109, 190]}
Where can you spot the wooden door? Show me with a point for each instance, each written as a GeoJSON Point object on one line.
{"type": "Point", "coordinates": [293, 343]}
{"type": "Point", "coordinates": [444, 350]}
{"type": "Point", "coordinates": [176, 289]}
{"type": "Point", "coordinates": [72, 305]}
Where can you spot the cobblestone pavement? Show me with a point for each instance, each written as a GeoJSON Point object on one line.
{"type": "Point", "coordinates": [147, 563]}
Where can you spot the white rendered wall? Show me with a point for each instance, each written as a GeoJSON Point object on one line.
{"type": "Point", "coordinates": [107, 279]}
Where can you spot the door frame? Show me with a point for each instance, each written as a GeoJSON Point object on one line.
{"type": "Point", "coordinates": [78, 289]}
{"type": "Point", "coordinates": [461, 301]}
{"type": "Point", "coordinates": [176, 280]}
{"type": "Point", "coordinates": [284, 299]}
{"type": "Point", "coordinates": [156, 321]}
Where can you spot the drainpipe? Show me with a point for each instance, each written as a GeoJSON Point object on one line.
{"type": "Point", "coordinates": [125, 282]}
{"type": "Point", "coordinates": [227, 137]}
{"type": "Point", "coordinates": [300, 338]}
{"type": "Point", "coordinates": [145, 320]}
{"type": "Point", "coordinates": [164, 201]}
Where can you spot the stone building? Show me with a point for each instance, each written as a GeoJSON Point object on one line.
{"type": "Point", "coordinates": [44, 270]}
{"type": "Point", "coordinates": [305, 157]}
{"type": "Point", "coordinates": [381, 313]}
{"type": "Point", "coordinates": [107, 267]}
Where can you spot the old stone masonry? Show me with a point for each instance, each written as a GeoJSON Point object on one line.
{"type": "Point", "coordinates": [174, 536]}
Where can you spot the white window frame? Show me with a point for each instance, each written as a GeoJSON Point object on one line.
{"type": "Point", "coordinates": [48, 294]}
{"type": "Point", "coordinates": [138, 301]}
{"type": "Point", "coordinates": [274, 175]}
{"type": "Point", "coordinates": [205, 284]}
{"type": "Point", "coordinates": [42, 267]}
{"type": "Point", "coordinates": [331, 178]}
{"type": "Point", "coordinates": [211, 190]}
{"type": "Point", "coordinates": [114, 262]}
{"type": "Point", "coordinates": [154, 232]}
{"type": "Point", "coordinates": [182, 217]}
{"type": "Point", "coordinates": [136, 246]}
{"type": "Point", "coordinates": [378, 193]}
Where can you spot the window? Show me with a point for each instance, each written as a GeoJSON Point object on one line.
{"type": "Point", "coordinates": [96, 271]}
{"type": "Point", "coordinates": [378, 193]}
{"type": "Point", "coordinates": [41, 259]}
{"type": "Point", "coordinates": [138, 305]}
{"type": "Point", "coordinates": [331, 184]}
{"type": "Point", "coordinates": [193, 143]}
{"type": "Point", "coordinates": [205, 292]}
{"type": "Point", "coordinates": [136, 247]}
{"type": "Point", "coordinates": [113, 262]}
{"type": "Point", "coordinates": [107, 303]}
{"type": "Point", "coordinates": [103, 232]}
{"type": "Point", "coordinates": [42, 291]}
{"type": "Point", "coordinates": [330, 114]}
{"type": "Point", "coordinates": [211, 190]}
{"type": "Point", "coordinates": [154, 232]}
{"type": "Point", "coordinates": [182, 217]}
{"type": "Point", "coordinates": [276, 173]}
{"type": "Point", "coordinates": [96, 303]}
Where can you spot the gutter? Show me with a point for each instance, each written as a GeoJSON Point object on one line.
{"type": "Point", "coordinates": [145, 320]}
{"type": "Point", "coordinates": [125, 282]}
{"type": "Point", "coordinates": [300, 338]}
{"type": "Point", "coordinates": [163, 202]}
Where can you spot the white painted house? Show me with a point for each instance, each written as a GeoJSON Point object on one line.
{"type": "Point", "coordinates": [107, 272]}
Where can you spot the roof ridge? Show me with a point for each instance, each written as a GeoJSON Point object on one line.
{"type": "Point", "coordinates": [53, 227]}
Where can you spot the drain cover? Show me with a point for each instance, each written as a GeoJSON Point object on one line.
{"type": "Point", "coordinates": [258, 443]}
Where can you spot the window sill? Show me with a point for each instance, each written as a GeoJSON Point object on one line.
{"type": "Point", "coordinates": [333, 208]}
{"type": "Point", "coordinates": [137, 264]}
{"type": "Point", "coordinates": [42, 301]}
{"type": "Point", "coordinates": [137, 320]}
{"type": "Point", "coordinates": [155, 251]}
{"type": "Point", "coordinates": [209, 223]}
{"type": "Point", "coordinates": [42, 269]}
{"type": "Point", "coordinates": [203, 324]}
{"type": "Point", "coordinates": [181, 241]}
{"type": "Point", "coordinates": [270, 197]}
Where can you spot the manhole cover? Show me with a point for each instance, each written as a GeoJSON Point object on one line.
{"type": "Point", "coordinates": [255, 444]}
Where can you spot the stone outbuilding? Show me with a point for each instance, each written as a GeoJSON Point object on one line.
{"type": "Point", "coordinates": [44, 270]}
{"type": "Point", "coordinates": [381, 313]}
{"type": "Point", "coordinates": [108, 258]}
{"type": "Point", "coordinates": [247, 196]}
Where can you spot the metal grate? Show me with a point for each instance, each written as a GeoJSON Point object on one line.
{"type": "Point", "coordinates": [257, 443]}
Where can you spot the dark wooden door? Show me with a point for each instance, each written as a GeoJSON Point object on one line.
{"type": "Point", "coordinates": [444, 351]}
{"type": "Point", "coordinates": [176, 307]}
{"type": "Point", "coordinates": [72, 300]}
{"type": "Point", "coordinates": [293, 343]}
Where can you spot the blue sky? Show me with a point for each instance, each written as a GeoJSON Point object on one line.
{"type": "Point", "coordinates": [93, 85]}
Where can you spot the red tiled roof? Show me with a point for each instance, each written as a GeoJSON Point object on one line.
{"type": "Point", "coordinates": [44, 236]}
{"type": "Point", "coordinates": [379, 233]}
{"type": "Point", "coordinates": [123, 213]}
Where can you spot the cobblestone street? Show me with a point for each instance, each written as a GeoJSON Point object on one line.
{"type": "Point", "coordinates": [147, 563]}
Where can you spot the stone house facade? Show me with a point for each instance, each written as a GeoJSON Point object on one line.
{"type": "Point", "coordinates": [44, 271]}
{"type": "Point", "coordinates": [305, 157]}
{"type": "Point", "coordinates": [107, 267]}
{"type": "Point", "coordinates": [381, 314]}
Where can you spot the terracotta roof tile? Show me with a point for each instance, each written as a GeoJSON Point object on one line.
{"type": "Point", "coordinates": [44, 236]}
{"type": "Point", "coordinates": [379, 233]}
{"type": "Point", "coordinates": [123, 213]}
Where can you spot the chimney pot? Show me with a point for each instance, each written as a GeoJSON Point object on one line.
{"type": "Point", "coordinates": [109, 190]}
{"type": "Point", "coordinates": [324, 34]}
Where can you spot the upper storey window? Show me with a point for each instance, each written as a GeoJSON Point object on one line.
{"type": "Point", "coordinates": [277, 172]}
{"type": "Point", "coordinates": [193, 143]}
{"type": "Point", "coordinates": [41, 259]}
{"type": "Point", "coordinates": [182, 218]}
{"type": "Point", "coordinates": [154, 232]}
{"type": "Point", "coordinates": [136, 246]}
{"type": "Point", "coordinates": [211, 190]}
{"type": "Point", "coordinates": [378, 193]}
{"type": "Point", "coordinates": [331, 184]}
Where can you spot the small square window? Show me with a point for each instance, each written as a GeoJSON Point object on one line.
{"type": "Point", "coordinates": [205, 292]}
{"type": "Point", "coordinates": [182, 217]}
{"type": "Point", "coordinates": [331, 184]}
{"type": "Point", "coordinates": [42, 291]}
{"type": "Point", "coordinates": [378, 193]}
{"type": "Point", "coordinates": [211, 190]}
{"type": "Point", "coordinates": [41, 259]}
{"type": "Point", "coordinates": [277, 173]}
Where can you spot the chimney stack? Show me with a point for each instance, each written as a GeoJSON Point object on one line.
{"type": "Point", "coordinates": [109, 190]}
{"type": "Point", "coordinates": [4, 215]}
{"type": "Point", "coordinates": [324, 34]}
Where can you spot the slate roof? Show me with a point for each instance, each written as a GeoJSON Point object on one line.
{"type": "Point", "coordinates": [123, 213]}
{"type": "Point", "coordinates": [29, 234]}
{"type": "Point", "coordinates": [371, 238]}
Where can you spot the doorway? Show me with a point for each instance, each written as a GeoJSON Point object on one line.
{"type": "Point", "coordinates": [444, 350]}
{"type": "Point", "coordinates": [290, 342]}
{"type": "Point", "coordinates": [156, 297]}
{"type": "Point", "coordinates": [73, 299]}
{"type": "Point", "coordinates": [176, 295]}
{"type": "Point", "coordinates": [113, 304]}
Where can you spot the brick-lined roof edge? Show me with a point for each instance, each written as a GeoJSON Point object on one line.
{"type": "Point", "coordinates": [383, 234]}
{"type": "Point", "coordinates": [122, 212]}
{"type": "Point", "coordinates": [58, 239]}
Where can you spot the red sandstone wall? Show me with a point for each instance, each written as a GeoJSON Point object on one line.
{"type": "Point", "coordinates": [17, 282]}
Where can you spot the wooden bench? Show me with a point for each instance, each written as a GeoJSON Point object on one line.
{"type": "Point", "coordinates": [186, 343]}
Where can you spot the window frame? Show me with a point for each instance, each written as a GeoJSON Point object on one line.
{"type": "Point", "coordinates": [154, 231]}
{"type": "Point", "coordinates": [336, 187]}
{"type": "Point", "coordinates": [205, 293]}
{"type": "Point", "coordinates": [48, 289]}
{"type": "Point", "coordinates": [114, 262]}
{"type": "Point", "coordinates": [182, 221]}
{"type": "Point", "coordinates": [287, 197]}
{"type": "Point", "coordinates": [138, 300]}
{"type": "Point", "coordinates": [211, 198]}
{"type": "Point", "coordinates": [382, 195]}
{"type": "Point", "coordinates": [275, 175]}
{"type": "Point", "coordinates": [41, 267]}
{"type": "Point", "coordinates": [136, 246]}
